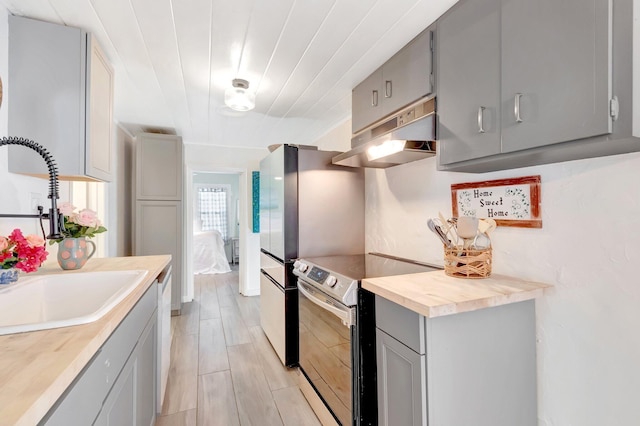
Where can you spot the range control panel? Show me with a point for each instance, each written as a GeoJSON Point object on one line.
{"type": "Point", "coordinates": [318, 275]}
{"type": "Point", "coordinates": [335, 285]}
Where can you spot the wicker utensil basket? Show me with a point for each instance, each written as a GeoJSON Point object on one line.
{"type": "Point", "coordinates": [467, 263]}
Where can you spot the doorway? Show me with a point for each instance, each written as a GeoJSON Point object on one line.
{"type": "Point", "coordinates": [214, 204]}
{"type": "Point", "coordinates": [215, 214]}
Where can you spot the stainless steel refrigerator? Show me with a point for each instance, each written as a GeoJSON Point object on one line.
{"type": "Point", "coordinates": [308, 207]}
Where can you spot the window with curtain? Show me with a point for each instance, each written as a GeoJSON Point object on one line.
{"type": "Point", "coordinates": [212, 209]}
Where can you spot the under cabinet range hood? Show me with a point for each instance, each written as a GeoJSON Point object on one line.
{"type": "Point", "coordinates": [408, 135]}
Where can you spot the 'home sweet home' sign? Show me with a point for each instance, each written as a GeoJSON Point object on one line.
{"type": "Point", "coordinates": [511, 202]}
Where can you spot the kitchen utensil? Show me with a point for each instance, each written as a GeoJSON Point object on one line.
{"type": "Point", "coordinates": [482, 240]}
{"type": "Point", "coordinates": [467, 229]}
{"type": "Point", "coordinates": [436, 229]}
{"type": "Point", "coordinates": [486, 226]}
{"type": "Point", "coordinates": [447, 227]}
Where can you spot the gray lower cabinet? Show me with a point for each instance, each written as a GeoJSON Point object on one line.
{"type": "Point", "coordinates": [119, 408]}
{"type": "Point", "coordinates": [132, 400]}
{"type": "Point", "coordinates": [118, 386]}
{"type": "Point", "coordinates": [158, 230]}
{"type": "Point", "coordinates": [517, 75]}
{"type": "Point", "coordinates": [476, 368]}
{"type": "Point", "coordinates": [402, 377]}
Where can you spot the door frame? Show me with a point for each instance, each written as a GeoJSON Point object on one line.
{"type": "Point", "coordinates": [190, 171]}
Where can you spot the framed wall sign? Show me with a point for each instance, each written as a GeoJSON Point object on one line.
{"type": "Point", "coordinates": [511, 202]}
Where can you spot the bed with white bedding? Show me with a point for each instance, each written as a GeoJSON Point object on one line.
{"type": "Point", "coordinates": [209, 256]}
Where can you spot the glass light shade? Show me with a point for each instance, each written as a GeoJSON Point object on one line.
{"type": "Point", "coordinates": [238, 97]}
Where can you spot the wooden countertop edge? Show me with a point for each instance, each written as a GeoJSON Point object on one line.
{"type": "Point", "coordinates": [397, 290]}
{"type": "Point", "coordinates": [29, 408]}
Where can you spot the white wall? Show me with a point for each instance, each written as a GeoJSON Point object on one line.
{"type": "Point", "coordinates": [336, 139]}
{"type": "Point", "coordinates": [588, 248]}
{"type": "Point", "coordinates": [16, 190]}
{"type": "Point", "coordinates": [231, 160]}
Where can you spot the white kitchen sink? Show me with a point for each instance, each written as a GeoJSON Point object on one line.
{"type": "Point", "coordinates": [42, 302]}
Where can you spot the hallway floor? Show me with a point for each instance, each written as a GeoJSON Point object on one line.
{"type": "Point", "coordinates": [223, 369]}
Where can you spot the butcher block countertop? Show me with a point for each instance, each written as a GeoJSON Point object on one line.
{"type": "Point", "coordinates": [37, 367]}
{"type": "Point", "coordinates": [434, 294]}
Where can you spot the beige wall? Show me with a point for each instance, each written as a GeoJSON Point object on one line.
{"type": "Point", "coordinates": [120, 196]}
{"type": "Point", "coordinates": [336, 139]}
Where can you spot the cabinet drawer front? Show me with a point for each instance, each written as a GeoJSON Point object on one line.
{"type": "Point", "coordinates": [406, 326]}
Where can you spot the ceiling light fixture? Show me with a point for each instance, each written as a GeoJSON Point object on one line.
{"type": "Point", "coordinates": [238, 97]}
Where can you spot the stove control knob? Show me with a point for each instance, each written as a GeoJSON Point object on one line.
{"type": "Point", "coordinates": [302, 266]}
{"type": "Point", "coordinates": [296, 264]}
{"type": "Point", "coordinates": [331, 281]}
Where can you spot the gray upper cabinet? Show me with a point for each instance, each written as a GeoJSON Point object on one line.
{"type": "Point", "coordinates": [366, 101]}
{"type": "Point", "coordinates": [406, 77]}
{"type": "Point", "coordinates": [61, 87]}
{"type": "Point", "coordinates": [517, 75]}
{"type": "Point", "coordinates": [469, 82]}
{"type": "Point", "coordinates": [556, 71]}
{"type": "Point", "coordinates": [158, 167]}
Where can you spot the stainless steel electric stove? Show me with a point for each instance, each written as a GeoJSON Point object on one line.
{"type": "Point", "coordinates": [337, 329]}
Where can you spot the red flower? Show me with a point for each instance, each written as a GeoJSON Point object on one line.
{"type": "Point", "coordinates": [18, 252]}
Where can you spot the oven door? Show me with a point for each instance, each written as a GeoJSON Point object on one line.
{"type": "Point", "coordinates": [327, 330]}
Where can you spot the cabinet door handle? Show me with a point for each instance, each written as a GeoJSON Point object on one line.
{"type": "Point", "coordinates": [374, 98]}
{"type": "Point", "coordinates": [480, 119]}
{"type": "Point", "coordinates": [387, 89]}
{"type": "Point", "coordinates": [516, 107]}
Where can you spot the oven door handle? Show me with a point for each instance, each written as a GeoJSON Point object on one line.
{"type": "Point", "coordinates": [345, 314]}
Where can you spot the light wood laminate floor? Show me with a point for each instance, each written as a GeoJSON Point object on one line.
{"type": "Point", "coordinates": [223, 369]}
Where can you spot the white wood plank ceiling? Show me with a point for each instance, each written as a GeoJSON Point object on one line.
{"type": "Point", "coordinates": [174, 58]}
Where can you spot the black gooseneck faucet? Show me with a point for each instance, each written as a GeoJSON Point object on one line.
{"type": "Point", "coordinates": [56, 222]}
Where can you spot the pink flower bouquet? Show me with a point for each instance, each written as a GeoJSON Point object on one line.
{"type": "Point", "coordinates": [84, 223]}
{"type": "Point", "coordinates": [24, 253]}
